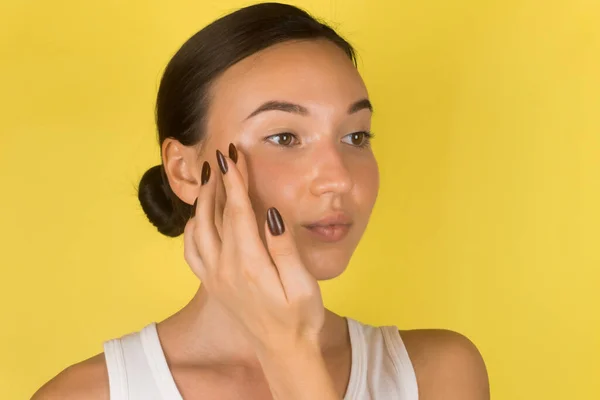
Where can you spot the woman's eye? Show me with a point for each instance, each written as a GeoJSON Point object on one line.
{"type": "Point", "coordinates": [282, 139]}
{"type": "Point", "coordinates": [359, 139]}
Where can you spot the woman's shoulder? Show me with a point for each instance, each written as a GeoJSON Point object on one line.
{"type": "Point", "coordinates": [447, 364]}
{"type": "Point", "coordinates": [87, 379]}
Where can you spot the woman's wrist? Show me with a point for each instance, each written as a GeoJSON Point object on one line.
{"type": "Point", "coordinates": [297, 372]}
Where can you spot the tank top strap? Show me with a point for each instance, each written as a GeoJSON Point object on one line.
{"type": "Point", "coordinates": [117, 372]}
{"type": "Point", "coordinates": [158, 363]}
{"type": "Point", "coordinates": [137, 367]}
{"type": "Point", "coordinates": [401, 359]}
{"type": "Point", "coordinates": [381, 367]}
{"type": "Point", "coordinates": [358, 359]}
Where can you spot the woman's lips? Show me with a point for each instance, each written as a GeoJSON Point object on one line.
{"type": "Point", "coordinates": [329, 233]}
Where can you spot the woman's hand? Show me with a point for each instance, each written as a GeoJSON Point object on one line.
{"type": "Point", "coordinates": [268, 290]}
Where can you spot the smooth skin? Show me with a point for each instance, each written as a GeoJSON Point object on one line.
{"type": "Point", "coordinates": [259, 295]}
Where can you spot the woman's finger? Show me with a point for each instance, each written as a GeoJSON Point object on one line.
{"type": "Point", "coordinates": [239, 159]}
{"type": "Point", "coordinates": [206, 236]}
{"type": "Point", "coordinates": [239, 221]}
{"type": "Point", "coordinates": [295, 279]}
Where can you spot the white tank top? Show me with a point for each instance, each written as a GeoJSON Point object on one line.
{"type": "Point", "coordinates": [380, 369]}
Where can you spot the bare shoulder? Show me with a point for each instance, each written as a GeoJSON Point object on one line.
{"type": "Point", "coordinates": [447, 364]}
{"type": "Point", "coordinates": [87, 379]}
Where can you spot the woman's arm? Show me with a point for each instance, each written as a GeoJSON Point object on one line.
{"type": "Point", "coordinates": [447, 364]}
{"type": "Point", "coordinates": [85, 380]}
{"type": "Point", "coordinates": [298, 373]}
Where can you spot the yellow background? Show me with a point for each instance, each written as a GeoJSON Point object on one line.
{"type": "Point", "coordinates": [488, 138]}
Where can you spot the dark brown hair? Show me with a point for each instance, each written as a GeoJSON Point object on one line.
{"type": "Point", "coordinates": [183, 95]}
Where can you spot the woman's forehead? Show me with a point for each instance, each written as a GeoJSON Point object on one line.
{"type": "Point", "coordinates": [306, 72]}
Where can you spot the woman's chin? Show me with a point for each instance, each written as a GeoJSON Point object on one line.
{"type": "Point", "coordinates": [326, 274]}
{"type": "Point", "coordinates": [324, 267]}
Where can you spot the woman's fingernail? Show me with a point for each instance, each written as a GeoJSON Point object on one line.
{"type": "Point", "coordinates": [233, 152]}
{"type": "Point", "coordinates": [205, 172]}
{"type": "Point", "coordinates": [275, 222]}
{"type": "Point", "coordinates": [222, 162]}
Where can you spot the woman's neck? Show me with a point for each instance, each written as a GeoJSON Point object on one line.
{"type": "Point", "coordinates": [203, 333]}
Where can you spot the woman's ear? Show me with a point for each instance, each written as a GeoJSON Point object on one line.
{"type": "Point", "coordinates": [181, 166]}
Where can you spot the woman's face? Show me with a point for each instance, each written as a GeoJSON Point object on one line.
{"type": "Point", "coordinates": [309, 157]}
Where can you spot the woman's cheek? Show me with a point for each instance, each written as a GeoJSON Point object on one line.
{"type": "Point", "coordinates": [367, 180]}
{"type": "Point", "coordinates": [374, 178]}
{"type": "Point", "coordinates": [273, 184]}
{"type": "Point", "coordinates": [282, 185]}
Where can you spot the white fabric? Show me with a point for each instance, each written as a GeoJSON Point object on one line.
{"type": "Point", "coordinates": [381, 368]}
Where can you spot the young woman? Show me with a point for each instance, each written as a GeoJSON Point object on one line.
{"type": "Point", "coordinates": [266, 170]}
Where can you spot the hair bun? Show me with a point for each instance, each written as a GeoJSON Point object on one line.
{"type": "Point", "coordinates": [153, 193]}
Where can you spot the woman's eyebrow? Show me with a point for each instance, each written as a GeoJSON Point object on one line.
{"type": "Point", "coordinates": [360, 105]}
{"type": "Point", "coordinates": [301, 110]}
{"type": "Point", "coordinates": [279, 106]}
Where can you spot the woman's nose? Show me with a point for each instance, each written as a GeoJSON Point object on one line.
{"type": "Point", "coordinates": [330, 173]}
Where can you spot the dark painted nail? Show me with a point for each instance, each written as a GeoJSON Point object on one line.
{"type": "Point", "coordinates": [233, 152]}
{"type": "Point", "coordinates": [222, 162]}
{"type": "Point", "coordinates": [275, 222]}
{"type": "Point", "coordinates": [205, 172]}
